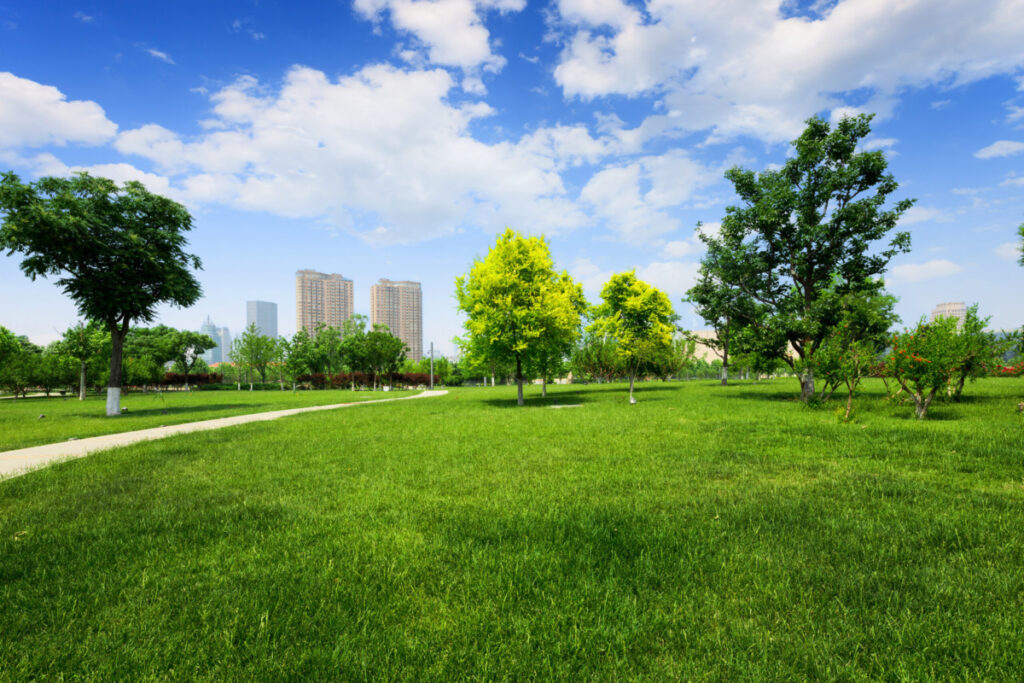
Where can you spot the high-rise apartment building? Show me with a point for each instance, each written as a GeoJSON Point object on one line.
{"type": "Point", "coordinates": [399, 305]}
{"type": "Point", "coordinates": [263, 314]}
{"type": "Point", "coordinates": [953, 309]}
{"type": "Point", "coordinates": [321, 298]}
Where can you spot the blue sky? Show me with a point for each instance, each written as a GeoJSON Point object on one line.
{"type": "Point", "coordinates": [395, 138]}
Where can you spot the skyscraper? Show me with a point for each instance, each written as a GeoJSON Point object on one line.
{"type": "Point", "coordinates": [264, 315]}
{"type": "Point", "coordinates": [224, 350]}
{"type": "Point", "coordinates": [321, 298]}
{"type": "Point", "coordinates": [215, 354]}
{"type": "Point", "coordinates": [399, 305]}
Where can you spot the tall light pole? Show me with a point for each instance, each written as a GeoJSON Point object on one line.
{"type": "Point", "coordinates": [431, 366]}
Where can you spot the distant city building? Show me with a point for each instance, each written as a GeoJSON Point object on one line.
{"type": "Point", "coordinates": [263, 314]}
{"type": "Point", "coordinates": [213, 355]}
{"type": "Point", "coordinates": [321, 298]}
{"type": "Point", "coordinates": [399, 305]}
{"type": "Point", "coordinates": [224, 350]}
{"type": "Point", "coordinates": [954, 309]}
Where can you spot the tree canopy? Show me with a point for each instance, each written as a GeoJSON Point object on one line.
{"type": "Point", "coordinates": [810, 231]}
{"type": "Point", "coordinates": [117, 252]}
{"type": "Point", "coordinates": [638, 317]}
{"type": "Point", "coordinates": [518, 308]}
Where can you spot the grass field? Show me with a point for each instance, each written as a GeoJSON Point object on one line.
{"type": "Point", "coordinates": [21, 426]}
{"type": "Point", "coordinates": [707, 532]}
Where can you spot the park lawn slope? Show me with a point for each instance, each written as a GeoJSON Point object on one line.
{"type": "Point", "coordinates": [21, 425]}
{"type": "Point", "coordinates": [705, 533]}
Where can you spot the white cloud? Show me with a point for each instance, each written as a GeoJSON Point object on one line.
{"type": "Point", "coordinates": [588, 274]}
{"type": "Point", "coordinates": [383, 148]}
{"type": "Point", "coordinates": [33, 115]}
{"type": "Point", "coordinates": [939, 105]}
{"type": "Point", "coordinates": [677, 248]}
{"type": "Point", "coordinates": [879, 143]}
{"type": "Point", "coordinates": [671, 277]}
{"type": "Point", "coordinates": [917, 272]}
{"type": "Point", "coordinates": [157, 54]}
{"type": "Point", "coordinates": [1000, 148]}
{"type": "Point", "coordinates": [633, 199]}
{"type": "Point", "coordinates": [1013, 180]}
{"type": "Point", "coordinates": [737, 67]}
{"type": "Point", "coordinates": [451, 31]}
{"type": "Point", "coordinates": [84, 18]}
{"type": "Point", "coordinates": [921, 214]}
{"type": "Point", "coordinates": [1008, 251]}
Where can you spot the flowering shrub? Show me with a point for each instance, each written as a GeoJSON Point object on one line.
{"type": "Point", "coordinates": [923, 360]}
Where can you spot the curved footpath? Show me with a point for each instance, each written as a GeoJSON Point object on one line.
{"type": "Point", "coordinates": [13, 463]}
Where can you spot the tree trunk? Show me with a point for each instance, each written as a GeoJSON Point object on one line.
{"type": "Point", "coordinates": [519, 380]}
{"type": "Point", "coordinates": [544, 387]}
{"type": "Point", "coordinates": [117, 335]}
{"type": "Point", "coordinates": [81, 381]}
{"type": "Point", "coordinates": [849, 403]}
{"type": "Point", "coordinates": [632, 376]}
{"type": "Point", "coordinates": [725, 374]}
{"type": "Point", "coordinates": [806, 384]}
{"type": "Point", "coordinates": [959, 386]}
{"type": "Point", "coordinates": [922, 402]}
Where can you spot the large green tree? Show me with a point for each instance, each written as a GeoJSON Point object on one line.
{"type": "Point", "coordinates": [639, 318]}
{"type": "Point", "coordinates": [518, 307]}
{"type": "Point", "coordinates": [809, 231]}
{"type": "Point", "coordinates": [1020, 233]}
{"type": "Point", "coordinates": [117, 252]}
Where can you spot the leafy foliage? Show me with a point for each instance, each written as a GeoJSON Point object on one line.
{"type": "Point", "coordinates": [117, 252]}
{"type": "Point", "coordinates": [638, 317]}
{"type": "Point", "coordinates": [804, 235]}
{"type": "Point", "coordinates": [519, 310]}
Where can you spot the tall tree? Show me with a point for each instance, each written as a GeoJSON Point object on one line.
{"type": "Point", "coordinates": [809, 230]}
{"type": "Point", "coordinates": [516, 304]}
{"type": "Point", "coordinates": [118, 252]}
{"type": "Point", "coordinates": [725, 308]}
{"type": "Point", "coordinates": [640, 319]}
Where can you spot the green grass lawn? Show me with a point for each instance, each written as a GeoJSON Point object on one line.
{"type": "Point", "coordinates": [707, 532]}
{"type": "Point", "coordinates": [21, 426]}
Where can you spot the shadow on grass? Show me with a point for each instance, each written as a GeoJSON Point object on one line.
{"type": "Point", "coordinates": [184, 410]}
{"type": "Point", "coordinates": [592, 394]}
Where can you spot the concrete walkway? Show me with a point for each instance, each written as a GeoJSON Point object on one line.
{"type": "Point", "coordinates": [13, 463]}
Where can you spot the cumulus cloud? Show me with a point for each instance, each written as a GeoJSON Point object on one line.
{"type": "Point", "coordinates": [672, 277]}
{"type": "Point", "coordinates": [633, 199]}
{"type": "Point", "coordinates": [917, 272]}
{"type": "Point", "coordinates": [1000, 148]}
{"type": "Point", "coordinates": [1008, 251]}
{"type": "Point", "coordinates": [451, 32]}
{"type": "Point", "coordinates": [382, 153]}
{"type": "Point", "coordinates": [742, 68]}
{"type": "Point", "coordinates": [33, 115]}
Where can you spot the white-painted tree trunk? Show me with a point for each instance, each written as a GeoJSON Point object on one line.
{"type": "Point", "coordinates": [113, 401]}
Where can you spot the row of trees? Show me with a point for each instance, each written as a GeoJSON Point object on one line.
{"type": "Point", "coordinates": [82, 358]}
{"type": "Point", "coordinates": [354, 348]}
{"type": "Point", "coordinates": [522, 312]}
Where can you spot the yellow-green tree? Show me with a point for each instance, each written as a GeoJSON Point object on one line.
{"type": "Point", "coordinates": [519, 309]}
{"type": "Point", "coordinates": [640, 319]}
